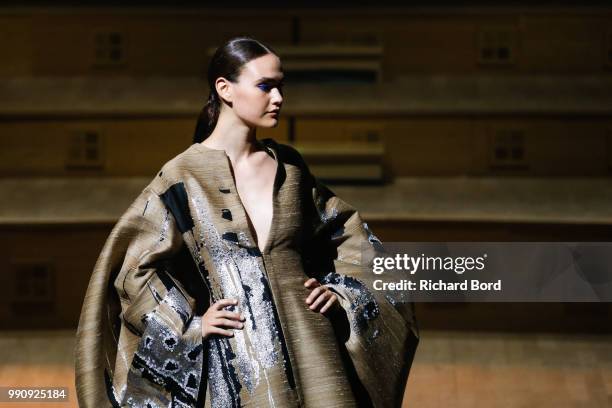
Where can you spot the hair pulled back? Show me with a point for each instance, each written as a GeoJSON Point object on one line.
{"type": "Point", "coordinates": [227, 62]}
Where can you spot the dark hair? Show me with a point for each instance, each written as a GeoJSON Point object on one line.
{"type": "Point", "coordinates": [226, 62]}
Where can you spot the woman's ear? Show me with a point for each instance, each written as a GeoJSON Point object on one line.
{"type": "Point", "coordinates": [224, 89]}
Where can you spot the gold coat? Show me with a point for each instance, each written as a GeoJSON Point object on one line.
{"type": "Point", "coordinates": [184, 243]}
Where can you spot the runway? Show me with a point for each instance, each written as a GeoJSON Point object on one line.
{"type": "Point", "coordinates": [451, 369]}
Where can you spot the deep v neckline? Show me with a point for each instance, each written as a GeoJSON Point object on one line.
{"type": "Point", "coordinates": [252, 232]}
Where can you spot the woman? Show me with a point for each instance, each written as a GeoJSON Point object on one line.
{"type": "Point", "coordinates": [234, 278]}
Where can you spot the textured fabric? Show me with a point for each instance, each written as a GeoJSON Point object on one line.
{"type": "Point", "coordinates": [184, 243]}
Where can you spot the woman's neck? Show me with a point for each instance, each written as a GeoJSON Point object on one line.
{"type": "Point", "coordinates": [232, 135]}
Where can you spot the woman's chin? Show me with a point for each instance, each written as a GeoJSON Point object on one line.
{"type": "Point", "coordinates": [270, 123]}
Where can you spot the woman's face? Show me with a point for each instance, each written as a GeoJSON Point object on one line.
{"type": "Point", "coordinates": [258, 92]}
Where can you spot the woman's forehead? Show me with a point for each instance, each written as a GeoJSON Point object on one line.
{"type": "Point", "coordinates": [266, 66]}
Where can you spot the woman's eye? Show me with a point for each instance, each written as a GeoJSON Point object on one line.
{"type": "Point", "coordinates": [267, 87]}
{"type": "Point", "coordinates": [264, 87]}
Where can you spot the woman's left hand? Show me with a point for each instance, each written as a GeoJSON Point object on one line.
{"type": "Point", "coordinates": [321, 298]}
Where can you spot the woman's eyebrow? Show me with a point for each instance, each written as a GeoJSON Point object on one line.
{"type": "Point", "coordinates": [267, 79]}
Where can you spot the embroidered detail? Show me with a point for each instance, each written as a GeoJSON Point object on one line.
{"type": "Point", "coordinates": [169, 367]}
{"type": "Point", "coordinates": [246, 359]}
{"type": "Point", "coordinates": [373, 239]}
{"type": "Point", "coordinates": [363, 306]}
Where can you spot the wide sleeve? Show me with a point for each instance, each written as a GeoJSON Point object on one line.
{"type": "Point", "coordinates": [382, 331]}
{"type": "Point", "coordinates": [159, 347]}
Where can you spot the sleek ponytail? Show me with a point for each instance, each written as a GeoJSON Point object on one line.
{"type": "Point", "coordinates": [227, 62]}
{"type": "Point", "coordinates": [208, 118]}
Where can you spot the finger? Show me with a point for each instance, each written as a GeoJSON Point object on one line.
{"type": "Point", "coordinates": [310, 282]}
{"type": "Point", "coordinates": [227, 323]}
{"type": "Point", "coordinates": [319, 301]}
{"type": "Point", "coordinates": [222, 332]}
{"type": "Point", "coordinates": [329, 304]}
{"type": "Point", "coordinates": [229, 315]}
{"type": "Point", "coordinates": [315, 292]}
{"type": "Point", "coordinates": [218, 305]}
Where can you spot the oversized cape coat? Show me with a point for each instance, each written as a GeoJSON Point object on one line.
{"type": "Point", "coordinates": [186, 242]}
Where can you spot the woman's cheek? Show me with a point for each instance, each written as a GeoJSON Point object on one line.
{"type": "Point", "coordinates": [247, 111]}
{"type": "Point", "coordinates": [250, 106]}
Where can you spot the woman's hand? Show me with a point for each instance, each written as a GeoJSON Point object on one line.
{"type": "Point", "coordinates": [321, 298]}
{"type": "Point", "coordinates": [216, 318]}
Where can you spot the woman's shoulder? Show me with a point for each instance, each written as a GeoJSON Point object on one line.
{"type": "Point", "coordinates": [174, 170]}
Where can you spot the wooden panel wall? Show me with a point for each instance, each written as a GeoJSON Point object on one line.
{"type": "Point", "coordinates": [423, 146]}
{"type": "Point", "coordinates": [128, 147]}
{"type": "Point", "coordinates": [434, 42]}
{"type": "Point", "coordinates": [71, 270]}
{"type": "Point", "coordinates": [174, 43]}
{"type": "Point", "coordinates": [439, 41]}
{"type": "Point", "coordinates": [66, 254]}
{"type": "Point", "coordinates": [413, 146]}
{"type": "Point", "coordinates": [56, 43]}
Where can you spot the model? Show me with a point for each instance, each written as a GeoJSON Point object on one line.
{"type": "Point", "coordinates": [234, 278]}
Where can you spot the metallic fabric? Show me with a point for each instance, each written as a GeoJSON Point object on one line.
{"type": "Point", "coordinates": [184, 243]}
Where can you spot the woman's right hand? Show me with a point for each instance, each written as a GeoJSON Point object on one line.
{"type": "Point", "coordinates": [216, 319]}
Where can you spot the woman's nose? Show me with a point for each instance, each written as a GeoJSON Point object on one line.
{"type": "Point", "coordinates": [277, 96]}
